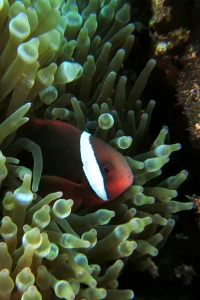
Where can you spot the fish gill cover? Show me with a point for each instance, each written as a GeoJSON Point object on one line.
{"type": "Point", "coordinates": [59, 60]}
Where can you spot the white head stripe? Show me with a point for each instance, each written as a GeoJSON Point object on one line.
{"type": "Point", "coordinates": [91, 167]}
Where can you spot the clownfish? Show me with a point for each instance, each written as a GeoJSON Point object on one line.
{"type": "Point", "coordinates": [83, 167]}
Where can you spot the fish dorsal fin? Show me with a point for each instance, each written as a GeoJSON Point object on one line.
{"type": "Point", "coordinates": [70, 190]}
{"type": "Point", "coordinates": [91, 166]}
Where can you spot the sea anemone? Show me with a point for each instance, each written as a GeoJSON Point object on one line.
{"type": "Point", "coordinates": [60, 60]}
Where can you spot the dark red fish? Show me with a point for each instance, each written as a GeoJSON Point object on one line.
{"type": "Point", "coordinates": [80, 165]}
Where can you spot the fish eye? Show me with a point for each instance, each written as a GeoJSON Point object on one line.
{"type": "Point", "coordinates": [106, 170]}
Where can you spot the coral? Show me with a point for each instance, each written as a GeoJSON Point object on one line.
{"type": "Point", "coordinates": [53, 53]}
{"type": "Point", "coordinates": [187, 272]}
{"type": "Point", "coordinates": [163, 43]}
{"type": "Point", "coordinates": [189, 91]}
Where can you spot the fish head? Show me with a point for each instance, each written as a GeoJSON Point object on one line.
{"type": "Point", "coordinates": [106, 170]}
{"type": "Point", "coordinates": [115, 171]}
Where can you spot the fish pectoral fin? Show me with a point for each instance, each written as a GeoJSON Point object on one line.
{"type": "Point", "coordinates": [70, 189]}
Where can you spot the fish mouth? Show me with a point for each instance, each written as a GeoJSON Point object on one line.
{"type": "Point", "coordinates": [130, 175]}
{"type": "Point", "coordinates": [130, 178]}
{"type": "Point", "coordinates": [127, 180]}
{"type": "Point", "coordinates": [124, 183]}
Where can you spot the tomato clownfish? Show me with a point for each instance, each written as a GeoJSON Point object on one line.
{"type": "Point", "coordinates": [83, 167]}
